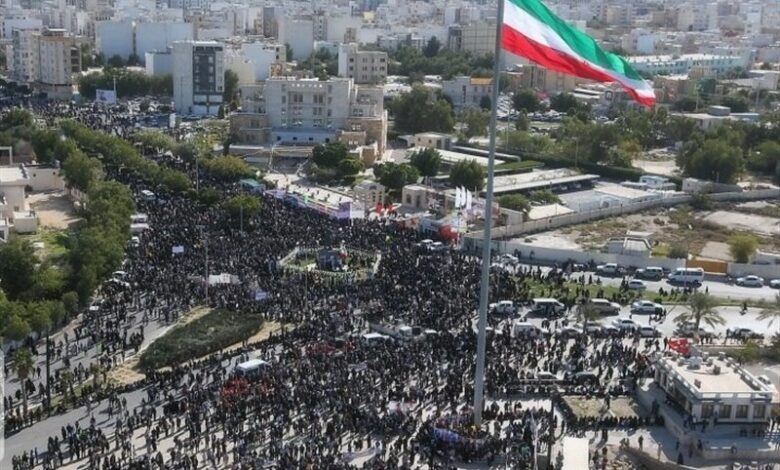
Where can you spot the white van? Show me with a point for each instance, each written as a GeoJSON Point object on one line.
{"type": "Point", "coordinates": [375, 338]}
{"type": "Point", "coordinates": [687, 276]}
{"type": "Point", "coordinates": [650, 273]}
{"type": "Point", "coordinates": [504, 307]}
{"type": "Point", "coordinates": [147, 195]}
{"type": "Point", "coordinates": [139, 218]}
{"type": "Point", "coordinates": [544, 306]}
{"type": "Point", "coordinates": [527, 329]}
{"type": "Point", "coordinates": [251, 367]}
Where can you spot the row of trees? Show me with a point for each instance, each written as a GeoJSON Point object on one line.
{"type": "Point", "coordinates": [435, 60]}
{"type": "Point", "coordinates": [129, 83]}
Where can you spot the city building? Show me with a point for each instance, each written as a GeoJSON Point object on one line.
{"type": "Point", "coordinates": [541, 79]}
{"type": "Point", "coordinates": [364, 67]}
{"type": "Point", "coordinates": [59, 58]}
{"type": "Point", "coordinates": [682, 64]}
{"type": "Point", "coordinates": [477, 37]}
{"type": "Point", "coordinates": [370, 193]}
{"type": "Point", "coordinates": [159, 63]}
{"type": "Point", "coordinates": [13, 204]}
{"type": "Point", "coordinates": [707, 387]}
{"type": "Point", "coordinates": [115, 38]}
{"type": "Point", "coordinates": [306, 112]}
{"type": "Point", "coordinates": [198, 77]}
{"type": "Point", "coordinates": [159, 36]}
{"type": "Point", "coordinates": [23, 61]}
{"type": "Point", "coordinates": [465, 91]}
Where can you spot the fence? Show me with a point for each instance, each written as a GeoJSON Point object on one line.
{"type": "Point", "coordinates": [767, 271]}
{"type": "Point", "coordinates": [532, 226]}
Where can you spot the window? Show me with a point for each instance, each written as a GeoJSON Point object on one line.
{"type": "Point", "coordinates": [725, 412]}
{"type": "Point", "coordinates": [707, 410]}
{"type": "Point", "coordinates": [742, 412]}
{"type": "Point", "coordinates": [759, 410]}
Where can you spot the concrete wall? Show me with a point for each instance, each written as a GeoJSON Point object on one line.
{"type": "Point", "coordinates": [767, 271]}
{"type": "Point", "coordinates": [114, 38]}
{"type": "Point", "coordinates": [159, 36]}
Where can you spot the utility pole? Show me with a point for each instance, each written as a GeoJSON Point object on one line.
{"type": "Point", "coordinates": [48, 372]}
{"type": "Point", "coordinates": [206, 247]}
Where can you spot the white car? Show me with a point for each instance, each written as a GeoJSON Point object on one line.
{"type": "Point", "coordinates": [592, 329]}
{"type": "Point", "coordinates": [625, 324]}
{"type": "Point", "coordinates": [649, 332]}
{"type": "Point", "coordinates": [508, 259]}
{"type": "Point", "coordinates": [570, 331]}
{"type": "Point", "coordinates": [774, 283]}
{"type": "Point", "coordinates": [636, 284]}
{"type": "Point", "coordinates": [750, 281]}
{"type": "Point", "coordinates": [645, 306]}
{"type": "Point", "coordinates": [609, 269]}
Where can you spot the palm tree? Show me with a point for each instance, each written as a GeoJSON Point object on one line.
{"type": "Point", "coordinates": [586, 313]}
{"type": "Point", "coordinates": [701, 309]}
{"type": "Point", "coordinates": [22, 365]}
{"type": "Point", "coordinates": [772, 312]}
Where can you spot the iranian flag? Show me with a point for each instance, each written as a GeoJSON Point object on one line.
{"type": "Point", "coordinates": [531, 30]}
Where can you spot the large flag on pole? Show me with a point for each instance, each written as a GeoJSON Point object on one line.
{"type": "Point", "coordinates": [531, 30]}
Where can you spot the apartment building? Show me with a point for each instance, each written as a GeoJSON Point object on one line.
{"type": "Point", "coordinates": [198, 77]}
{"type": "Point", "coordinates": [296, 111]}
{"type": "Point", "coordinates": [465, 91]}
{"type": "Point", "coordinates": [539, 78]}
{"type": "Point", "coordinates": [682, 64]}
{"type": "Point", "coordinates": [478, 37]}
{"type": "Point", "coordinates": [23, 63]}
{"type": "Point", "coordinates": [364, 67]}
{"type": "Point", "coordinates": [59, 58]}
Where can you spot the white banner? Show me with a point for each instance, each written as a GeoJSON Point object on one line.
{"type": "Point", "coordinates": [105, 96]}
{"type": "Point", "coordinates": [177, 249]}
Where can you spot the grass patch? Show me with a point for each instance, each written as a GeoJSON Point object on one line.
{"type": "Point", "coordinates": [215, 330]}
{"type": "Point", "coordinates": [55, 244]}
{"type": "Point", "coordinates": [661, 250]}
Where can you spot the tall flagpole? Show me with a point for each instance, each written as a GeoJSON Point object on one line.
{"type": "Point", "coordinates": [479, 377]}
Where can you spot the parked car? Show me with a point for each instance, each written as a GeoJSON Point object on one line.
{"type": "Point", "coordinates": [636, 284]}
{"type": "Point", "coordinates": [609, 330]}
{"type": "Point", "coordinates": [743, 333]}
{"type": "Point", "coordinates": [508, 259]}
{"type": "Point", "coordinates": [570, 331]}
{"type": "Point", "coordinates": [652, 273]}
{"type": "Point", "coordinates": [687, 330]}
{"type": "Point", "coordinates": [504, 307]}
{"type": "Point", "coordinates": [750, 281]}
{"type": "Point", "coordinates": [625, 324]}
{"type": "Point", "coordinates": [603, 306]}
{"type": "Point", "coordinates": [774, 283]}
{"type": "Point", "coordinates": [609, 269]}
{"type": "Point", "coordinates": [585, 377]}
{"type": "Point", "coordinates": [646, 307]}
{"type": "Point", "coordinates": [649, 332]}
{"type": "Point", "coordinates": [593, 328]}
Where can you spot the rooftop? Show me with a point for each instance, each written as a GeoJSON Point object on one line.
{"type": "Point", "coordinates": [12, 174]}
{"type": "Point", "coordinates": [539, 180]}
{"type": "Point", "coordinates": [682, 57]}
{"type": "Point", "coordinates": [702, 380]}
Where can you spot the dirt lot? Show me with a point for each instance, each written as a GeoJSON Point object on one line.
{"type": "Point", "coordinates": [593, 407]}
{"type": "Point", "coordinates": [768, 226]}
{"type": "Point", "coordinates": [53, 209]}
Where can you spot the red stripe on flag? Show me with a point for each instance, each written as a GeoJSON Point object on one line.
{"type": "Point", "coordinates": [520, 44]}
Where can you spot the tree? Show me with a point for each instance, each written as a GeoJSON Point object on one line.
{"type": "Point", "coordinates": [228, 168]}
{"type": "Point", "coordinates": [80, 171]}
{"type": "Point", "coordinates": [765, 158]}
{"type": "Point", "coordinates": [421, 110]}
{"type": "Point", "coordinates": [563, 102]}
{"type": "Point", "coordinates": [17, 266]}
{"type": "Point", "coordinates": [587, 313]}
{"type": "Point", "coordinates": [522, 123]}
{"type": "Point", "coordinates": [701, 308]}
{"type": "Point", "coordinates": [395, 176]}
{"type": "Point", "coordinates": [230, 93]}
{"type": "Point", "coordinates": [737, 104]}
{"type": "Point", "coordinates": [242, 207]}
{"type": "Point", "coordinates": [468, 174]}
{"type": "Point", "coordinates": [515, 202]}
{"type": "Point", "coordinates": [116, 60]}
{"type": "Point", "coordinates": [427, 161]}
{"type": "Point", "coordinates": [349, 167]}
{"type": "Point", "coordinates": [686, 104]}
{"type": "Point", "coordinates": [476, 121]}
{"type": "Point", "coordinates": [329, 155]}
{"type": "Point", "coordinates": [772, 312]}
{"type": "Point", "coordinates": [525, 100]}
{"type": "Point", "coordinates": [432, 48]}
{"type": "Point", "coordinates": [288, 51]}
{"type": "Point", "coordinates": [742, 247]}
{"type": "Point", "coordinates": [545, 196]}
{"type": "Point", "coordinates": [23, 364]}
{"type": "Point", "coordinates": [716, 159]}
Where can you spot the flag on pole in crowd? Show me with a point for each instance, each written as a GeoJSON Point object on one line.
{"type": "Point", "coordinates": [535, 435]}
{"type": "Point", "coordinates": [105, 96]}
{"type": "Point", "coordinates": [177, 249]}
{"type": "Point", "coordinates": [532, 31]}
{"type": "Point", "coordinates": [468, 200]}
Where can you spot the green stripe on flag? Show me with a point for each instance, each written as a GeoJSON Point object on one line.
{"type": "Point", "coordinates": [584, 45]}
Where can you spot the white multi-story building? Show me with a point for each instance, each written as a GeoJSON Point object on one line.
{"type": "Point", "coordinates": [262, 55]}
{"type": "Point", "coordinates": [159, 36]}
{"type": "Point", "coordinates": [59, 58]}
{"type": "Point", "coordinates": [465, 91]}
{"type": "Point", "coordinates": [295, 111]}
{"type": "Point", "coordinates": [299, 34]}
{"type": "Point", "coordinates": [676, 65]}
{"type": "Point", "coordinates": [478, 37]}
{"type": "Point", "coordinates": [10, 22]}
{"type": "Point", "coordinates": [159, 63]}
{"type": "Point", "coordinates": [639, 41]}
{"type": "Point", "coordinates": [114, 38]}
{"type": "Point", "coordinates": [198, 77]}
{"type": "Point", "coordinates": [364, 67]}
{"type": "Point", "coordinates": [24, 59]}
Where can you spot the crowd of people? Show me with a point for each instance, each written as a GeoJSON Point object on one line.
{"type": "Point", "coordinates": [385, 405]}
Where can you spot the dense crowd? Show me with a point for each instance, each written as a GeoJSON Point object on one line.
{"type": "Point", "coordinates": [396, 404]}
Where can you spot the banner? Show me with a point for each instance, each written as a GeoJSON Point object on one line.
{"type": "Point", "coordinates": [260, 295]}
{"type": "Point", "coordinates": [177, 249]}
{"type": "Point", "coordinates": [105, 96]}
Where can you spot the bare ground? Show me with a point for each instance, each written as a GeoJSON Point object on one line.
{"type": "Point", "coordinates": [53, 208]}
